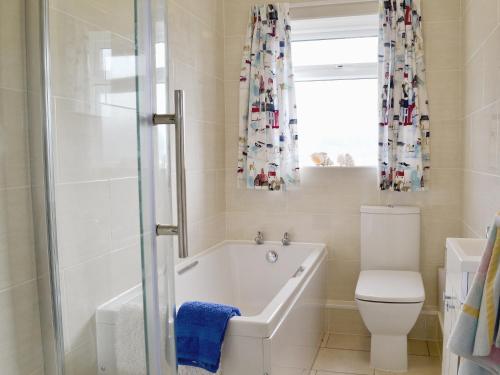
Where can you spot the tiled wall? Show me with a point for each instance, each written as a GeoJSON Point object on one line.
{"type": "Point", "coordinates": [20, 335]}
{"type": "Point", "coordinates": [196, 47]}
{"type": "Point", "coordinates": [326, 207]}
{"type": "Point", "coordinates": [94, 123]}
{"type": "Point", "coordinates": [94, 119]}
{"type": "Point", "coordinates": [481, 59]}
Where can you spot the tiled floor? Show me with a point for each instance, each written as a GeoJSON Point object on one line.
{"type": "Point", "coordinates": [350, 354]}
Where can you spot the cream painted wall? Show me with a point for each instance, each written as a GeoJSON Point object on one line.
{"type": "Point", "coordinates": [20, 335]}
{"type": "Point", "coordinates": [326, 207]}
{"type": "Point", "coordinates": [481, 60]}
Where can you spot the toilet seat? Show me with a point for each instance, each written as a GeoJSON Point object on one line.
{"type": "Point", "coordinates": [386, 286]}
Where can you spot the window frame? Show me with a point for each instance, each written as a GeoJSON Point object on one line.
{"type": "Point", "coordinates": [347, 28]}
{"type": "Point", "coordinates": [308, 30]}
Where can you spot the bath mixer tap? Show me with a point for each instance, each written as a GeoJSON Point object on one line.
{"type": "Point", "coordinates": [286, 239]}
{"type": "Point", "coordinates": [259, 240]}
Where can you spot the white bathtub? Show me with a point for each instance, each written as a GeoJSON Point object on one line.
{"type": "Point", "coordinates": [282, 303]}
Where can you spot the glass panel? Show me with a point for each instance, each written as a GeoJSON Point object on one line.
{"type": "Point", "coordinates": [335, 51]}
{"type": "Point", "coordinates": [92, 81]}
{"type": "Point", "coordinates": [155, 187]}
{"type": "Point", "coordinates": [338, 118]}
{"type": "Point", "coordinates": [78, 164]}
{"type": "Point", "coordinates": [101, 85]}
{"type": "Point", "coordinates": [25, 298]}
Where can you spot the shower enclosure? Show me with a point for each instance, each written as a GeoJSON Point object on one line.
{"type": "Point", "coordinates": [86, 176]}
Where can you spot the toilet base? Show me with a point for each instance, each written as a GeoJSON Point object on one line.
{"type": "Point", "coordinates": [389, 353]}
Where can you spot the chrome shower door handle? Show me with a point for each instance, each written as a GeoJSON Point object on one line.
{"type": "Point", "coordinates": [177, 119]}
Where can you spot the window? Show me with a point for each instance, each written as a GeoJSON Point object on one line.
{"type": "Point", "coordinates": [335, 63]}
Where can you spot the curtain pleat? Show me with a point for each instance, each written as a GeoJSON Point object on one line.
{"type": "Point", "coordinates": [404, 127]}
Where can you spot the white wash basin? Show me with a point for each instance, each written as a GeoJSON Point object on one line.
{"type": "Point", "coordinates": [468, 252]}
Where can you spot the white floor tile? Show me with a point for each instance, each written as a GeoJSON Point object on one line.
{"type": "Point", "coordinates": [343, 354]}
{"type": "Point", "coordinates": [419, 365]}
{"type": "Point", "coordinates": [349, 342]}
{"type": "Point", "coordinates": [343, 361]}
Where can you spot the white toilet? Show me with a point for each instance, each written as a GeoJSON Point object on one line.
{"type": "Point", "coordinates": [390, 292]}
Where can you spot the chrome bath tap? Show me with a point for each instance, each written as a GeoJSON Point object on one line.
{"type": "Point", "coordinates": [286, 239]}
{"type": "Point", "coordinates": [259, 240]}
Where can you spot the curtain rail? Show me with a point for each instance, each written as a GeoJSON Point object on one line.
{"type": "Point", "coordinates": [328, 2]}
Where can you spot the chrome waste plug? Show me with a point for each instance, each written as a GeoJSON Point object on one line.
{"type": "Point", "coordinates": [272, 256]}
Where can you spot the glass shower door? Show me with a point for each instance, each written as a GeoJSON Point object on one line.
{"type": "Point", "coordinates": [155, 186]}
{"type": "Point", "coordinates": [108, 174]}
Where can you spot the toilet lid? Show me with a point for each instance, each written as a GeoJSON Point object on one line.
{"type": "Point", "coordinates": [390, 286]}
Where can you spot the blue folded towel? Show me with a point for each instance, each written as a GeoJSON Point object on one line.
{"type": "Point", "coordinates": [199, 332]}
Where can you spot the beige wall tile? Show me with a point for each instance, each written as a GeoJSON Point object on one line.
{"type": "Point", "coordinates": [480, 19]}
{"type": "Point", "coordinates": [492, 68]}
{"type": "Point", "coordinates": [82, 360]}
{"type": "Point", "coordinates": [342, 279]}
{"type": "Point", "coordinates": [124, 212]}
{"type": "Point", "coordinates": [16, 238]}
{"type": "Point", "coordinates": [483, 140]}
{"type": "Point", "coordinates": [474, 83]}
{"type": "Point", "coordinates": [199, 70]}
{"type": "Point", "coordinates": [482, 97]}
{"type": "Point", "coordinates": [444, 94]}
{"type": "Point", "coordinates": [86, 141]}
{"type": "Point", "coordinates": [114, 15]}
{"type": "Point", "coordinates": [233, 57]}
{"type": "Point", "coordinates": [14, 162]}
{"type": "Point", "coordinates": [498, 134]}
{"type": "Point", "coordinates": [181, 35]}
{"type": "Point", "coordinates": [236, 13]}
{"type": "Point", "coordinates": [481, 200]}
{"type": "Point", "coordinates": [80, 73]}
{"type": "Point", "coordinates": [434, 234]}
{"type": "Point", "coordinates": [20, 331]}
{"type": "Point", "coordinates": [440, 11]}
{"type": "Point", "coordinates": [20, 340]}
{"type": "Point", "coordinates": [442, 47]}
{"type": "Point", "coordinates": [84, 221]}
{"type": "Point", "coordinates": [446, 144]}
{"type": "Point", "coordinates": [12, 43]}
{"type": "Point", "coordinates": [346, 322]}
{"type": "Point", "coordinates": [82, 296]}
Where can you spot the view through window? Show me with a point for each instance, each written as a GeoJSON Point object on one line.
{"type": "Point", "coordinates": [337, 96]}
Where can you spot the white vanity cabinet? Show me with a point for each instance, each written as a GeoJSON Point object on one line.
{"type": "Point", "coordinates": [451, 309]}
{"type": "Point", "coordinates": [462, 260]}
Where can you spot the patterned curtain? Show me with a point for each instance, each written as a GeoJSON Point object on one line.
{"type": "Point", "coordinates": [404, 129]}
{"type": "Point", "coordinates": [268, 154]}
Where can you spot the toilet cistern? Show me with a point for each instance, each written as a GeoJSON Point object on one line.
{"type": "Point", "coordinates": [390, 292]}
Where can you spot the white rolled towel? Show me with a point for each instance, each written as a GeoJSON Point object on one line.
{"type": "Point", "coordinates": [129, 340]}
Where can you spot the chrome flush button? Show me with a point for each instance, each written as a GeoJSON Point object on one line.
{"type": "Point", "coordinates": [272, 256]}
